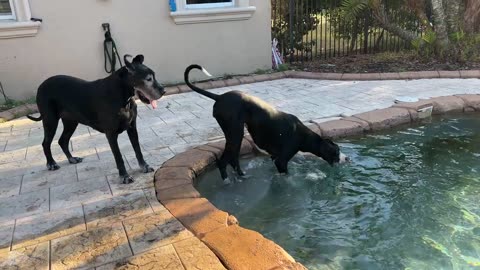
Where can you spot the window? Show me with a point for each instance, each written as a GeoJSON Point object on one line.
{"type": "Point", "coordinates": [194, 4]}
{"type": "Point", "coordinates": [6, 10]}
{"type": "Point", "coordinates": [205, 11]}
{"type": "Point", "coordinates": [15, 19]}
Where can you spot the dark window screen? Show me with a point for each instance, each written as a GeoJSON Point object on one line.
{"type": "Point", "coordinates": [191, 2]}
{"type": "Point", "coordinates": [5, 7]}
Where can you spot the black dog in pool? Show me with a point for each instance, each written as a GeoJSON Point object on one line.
{"type": "Point", "coordinates": [280, 134]}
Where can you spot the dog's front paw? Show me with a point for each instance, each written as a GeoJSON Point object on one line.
{"type": "Point", "coordinates": [147, 169]}
{"type": "Point", "coordinates": [240, 172]}
{"type": "Point", "coordinates": [75, 160]}
{"type": "Point", "coordinates": [227, 181]}
{"type": "Point", "coordinates": [52, 166]}
{"type": "Point", "coordinates": [127, 179]}
{"type": "Point", "coordinates": [246, 177]}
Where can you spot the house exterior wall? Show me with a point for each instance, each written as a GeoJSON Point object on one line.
{"type": "Point", "coordinates": [70, 41]}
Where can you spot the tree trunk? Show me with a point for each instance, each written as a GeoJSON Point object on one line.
{"type": "Point", "coordinates": [471, 16]}
{"type": "Point", "coordinates": [452, 10]}
{"type": "Point", "coordinates": [379, 40]}
{"type": "Point", "coordinates": [366, 34]}
{"type": "Point", "coordinates": [440, 24]}
{"type": "Point", "coordinates": [418, 7]}
{"type": "Point", "coordinates": [353, 41]}
{"type": "Point", "coordinates": [380, 15]}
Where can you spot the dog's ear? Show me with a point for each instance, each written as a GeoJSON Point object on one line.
{"type": "Point", "coordinates": [138, 59]}
{"type": "Point", "coordinates": [129, 65]}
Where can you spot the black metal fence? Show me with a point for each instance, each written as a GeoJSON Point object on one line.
{"type": "Point", "coordinates": [309, 29]}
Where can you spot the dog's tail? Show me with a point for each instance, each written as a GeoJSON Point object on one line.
{"type": "Point", "coordinates": [197, 89]}
{"type": "Point", "coordinates": [36, 119]}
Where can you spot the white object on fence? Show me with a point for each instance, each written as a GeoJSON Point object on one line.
{"type": "Point", "coordinates": [276, 55]}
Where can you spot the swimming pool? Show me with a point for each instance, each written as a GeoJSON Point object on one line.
{"type": "Point", "coordinates": [408, 200]}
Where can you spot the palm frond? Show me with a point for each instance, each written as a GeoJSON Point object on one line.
{"type": "Point", "coordinates": [353, 8]}
{"type": "Point", "coordinates": [430, 37]}
{"type": "Point", "coordinates": [457, 36]}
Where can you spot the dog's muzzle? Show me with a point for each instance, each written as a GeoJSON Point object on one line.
{"type": "Point", "coordinates": [343, 158]}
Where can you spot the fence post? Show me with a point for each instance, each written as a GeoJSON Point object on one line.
{"type": "Point", "coordinates": [365, 32]}
{"type": "Point", "coordinates": [291, 11]}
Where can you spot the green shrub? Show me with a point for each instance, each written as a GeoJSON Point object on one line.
{"type": "Point", "coordinates": [283, 67]}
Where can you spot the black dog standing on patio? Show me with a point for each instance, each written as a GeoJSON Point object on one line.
{"type": "Point", "coordinates": [106, 105]}
{"type": "Point", "coordinates": [281, 134]}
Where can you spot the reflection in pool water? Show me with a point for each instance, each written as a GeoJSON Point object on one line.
{"type": "Point", "coordinates": [409, 200]}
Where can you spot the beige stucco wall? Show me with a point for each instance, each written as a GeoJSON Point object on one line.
{"type": "Point", "coordinates": [70, 41]}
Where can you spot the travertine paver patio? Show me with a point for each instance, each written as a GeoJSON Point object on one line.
{"type": "Point", "coordinates": [82, 216]}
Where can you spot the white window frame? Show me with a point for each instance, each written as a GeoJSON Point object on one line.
{"type": "Point", "coordinates": [21, 25]}
{"type": "Point", "coordinates": [11, 16]}
{"type": "Point", "coordinates": [210, 5]}
{"type": "Point", "coordinates": [237, 10]}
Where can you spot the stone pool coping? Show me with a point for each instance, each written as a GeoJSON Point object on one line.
{"type": "Point", "coordinates": [240, 248]}
{"type": "Point", "coordinates": [171, 90]}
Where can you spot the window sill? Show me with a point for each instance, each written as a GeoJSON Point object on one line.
{"type": "Point", "coordinates": [212, 15]}
{"type": "Point", "coordinates": [11, 29]}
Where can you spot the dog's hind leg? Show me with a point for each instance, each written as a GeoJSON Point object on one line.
{"type": "Point", "coordinates": [68, 130]}
{"type": "Point", "coordinates": [235, 158]}
{"type": "Point", "coordinates": [50, 124]}
{"type": "Point", "coordinates": [233, 136]}
{"type": "Point", "coordinates": [112, 140]}
{"type": "Point", "coordinates": [133, 136]}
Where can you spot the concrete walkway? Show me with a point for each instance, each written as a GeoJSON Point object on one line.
{"type": "Point", "coordinates": [81, 216]}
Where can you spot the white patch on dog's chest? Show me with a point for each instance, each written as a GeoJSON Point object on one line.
{"type": "Point", "coordinates": [126, 118]}
{"type": "Point", "coordinates": [126, 115]}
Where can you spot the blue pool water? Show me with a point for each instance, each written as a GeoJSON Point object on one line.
{"type": "Point", "coordinates": [410, 199]}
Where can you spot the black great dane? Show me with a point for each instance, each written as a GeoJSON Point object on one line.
{"type": "Point", "coordinates": [106, 105]}
{"type": "Point", "coordinates": [280, 134]}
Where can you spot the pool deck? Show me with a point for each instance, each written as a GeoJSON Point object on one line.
{"type": "Point", "coordinates": [81, 216]}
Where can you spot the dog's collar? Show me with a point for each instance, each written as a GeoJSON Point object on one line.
{"type": "Point", "coordinates": [129, 102]}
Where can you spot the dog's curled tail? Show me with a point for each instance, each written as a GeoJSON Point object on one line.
{"type": "Point", "coordinates": [36, 119]}
{"type": "Point", "coordinates": [197, 89]}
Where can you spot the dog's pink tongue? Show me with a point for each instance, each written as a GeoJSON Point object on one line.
{"type": "Point", "coordinates": [154, 104]}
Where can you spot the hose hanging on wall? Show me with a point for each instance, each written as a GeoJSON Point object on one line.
{"type": "Point", "coordinates": [110, 50]}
